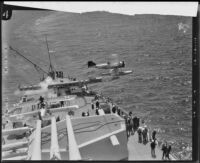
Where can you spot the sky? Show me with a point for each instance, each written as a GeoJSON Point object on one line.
{"type": "Point", "coordinates": [127, 8]}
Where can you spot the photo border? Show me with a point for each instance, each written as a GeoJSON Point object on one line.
{"type": "Point", "coordinates": [195, 84]}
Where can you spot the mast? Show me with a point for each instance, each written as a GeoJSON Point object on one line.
{"type": "Point", "coordinates": [50, 66]}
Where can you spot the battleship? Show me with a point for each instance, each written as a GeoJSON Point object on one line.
{"type": "Point", "coordinates": [84, 131]}
{"type": "Point", "coordinates": [59, 119]}
{"type": "Point", "coordinates": [66, 127]}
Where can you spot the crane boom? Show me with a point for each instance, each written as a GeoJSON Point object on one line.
{"type": "Point", "coordinates": [35, 65]}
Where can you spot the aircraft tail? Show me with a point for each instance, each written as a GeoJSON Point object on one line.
{"type": "Point", "coordinates": [91, 64]}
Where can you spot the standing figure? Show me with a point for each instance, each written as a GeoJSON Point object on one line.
{"type": "Point", "coordinates": [96, 111]}
{"type": "Point", "coordinates": [153, 146]}
{"type": "Point", "coordinates": [83, 114]}
{"type": "Point", "coordinates": [154, 134]}
{"type": "Point", "coordinates": [135, 123]}
{"type": "Point", "coordinates": [97, 104]}
{"type": "Point", "coordinates": [139, 135]}
{"type": "Point", "coordinates": [118, 111]}
{"type": "Point", "coordinates": [138, 122]}
{"type": "Point", "coordinates": [126, 122]}
{"type": "Point", "coordinates": [58, 119]}
{"type": "Point", "coordinates": [164, 149]}
{"type": "Point", "coordinates": [144, 134]}
{"type": "Point", "coordinates": [114, 109]}
{"type": "Point", "coordinates": [41, 102]}
{"type": "Point", "coordinates": [168, 150]}
{"type": "Point", "coordinates": [41, 99]}
{"type": "Point", "coordinates": [131, 125]}
{"type": "Point", "coordinates": [92, 105]}
{"type": "Point", "coordinates": [62, 103]}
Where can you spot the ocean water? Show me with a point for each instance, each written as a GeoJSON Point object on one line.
{"type": "Point", "coordinates": [153, 46]}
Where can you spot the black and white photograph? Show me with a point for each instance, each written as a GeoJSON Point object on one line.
{"type": "Point", "coordinates": [101, 84]}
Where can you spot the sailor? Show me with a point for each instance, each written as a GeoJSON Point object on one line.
{"type": "Point", "coordinates": [41, 99]}
{"type": "Point", "coordinates": [129, 125]}
{"type": "Point", "coordinates": [118, 111]}
{"type": "Point", "coordinates": [144, 133]}
{"type": "Point", "coordinates": [153, 146]}
{"type": "Point", "coordinates": [140, 129]}
{"type": "Point", "coordinates": [42, 105]}
{"type": "Point", "coordinates": [58, 119]}
{"type": "Point", "coordinates": [33, 107]}
{"type": "Point", "coordinates": [96, 111]}
{"type": "Point", "coordinates": [168, 151]}
{"type": "Point", "coordinates": [138, 122]}
{"type": "Point", "coordinates": [114, 109]}
{"type": "Point", "coordinates": [57, 74]}
{"type": "Point", "coordinates": [62, 103]}
{"type": "Point", "coordinates": [135, 123]}
{"type": "Point", "coordinates": [126, 122]}
{"type": "Point", "coordinates": [164, 149]}
{"type": "Point", "coordinates": [153, 134]}
{"type": "Point", "coordinates": [60, 74]}
{"type": "Point", "coordinates": [92, 105]}
{"type": "Point", "coordinates": [132, 125]}
{"type": "Point", "coordinates": [97, 104]}
{"type": "Point", "coordinates": [41, 102]}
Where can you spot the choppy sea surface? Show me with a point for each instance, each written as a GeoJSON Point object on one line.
{"type": "Point", "coordinates": [155, 47]}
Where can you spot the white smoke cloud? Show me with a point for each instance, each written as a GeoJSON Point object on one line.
{"type": "Point", "coordinates": [44, 84]}
{"type": "Point", "coordinates": [44, 88]}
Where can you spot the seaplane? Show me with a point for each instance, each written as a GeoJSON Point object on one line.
{"type": "Point", "coordinates": [114, 67]}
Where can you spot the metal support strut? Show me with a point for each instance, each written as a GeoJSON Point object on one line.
{"type": "Point", "coordinates": [55, 151]}
{"type": "Point", "coordinates": [74, 153]}
{"type": "Point", "coordinates": [36, 155]}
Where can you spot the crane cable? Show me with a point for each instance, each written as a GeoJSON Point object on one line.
{"type": "Point", "coordinates": [35, 65]}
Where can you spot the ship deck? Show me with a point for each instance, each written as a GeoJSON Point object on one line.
{"type": "Point", "coordinates": [136, 151]}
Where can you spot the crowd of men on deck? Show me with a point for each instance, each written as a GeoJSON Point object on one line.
{"type": "Point", "coordinates": [135, 125]}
